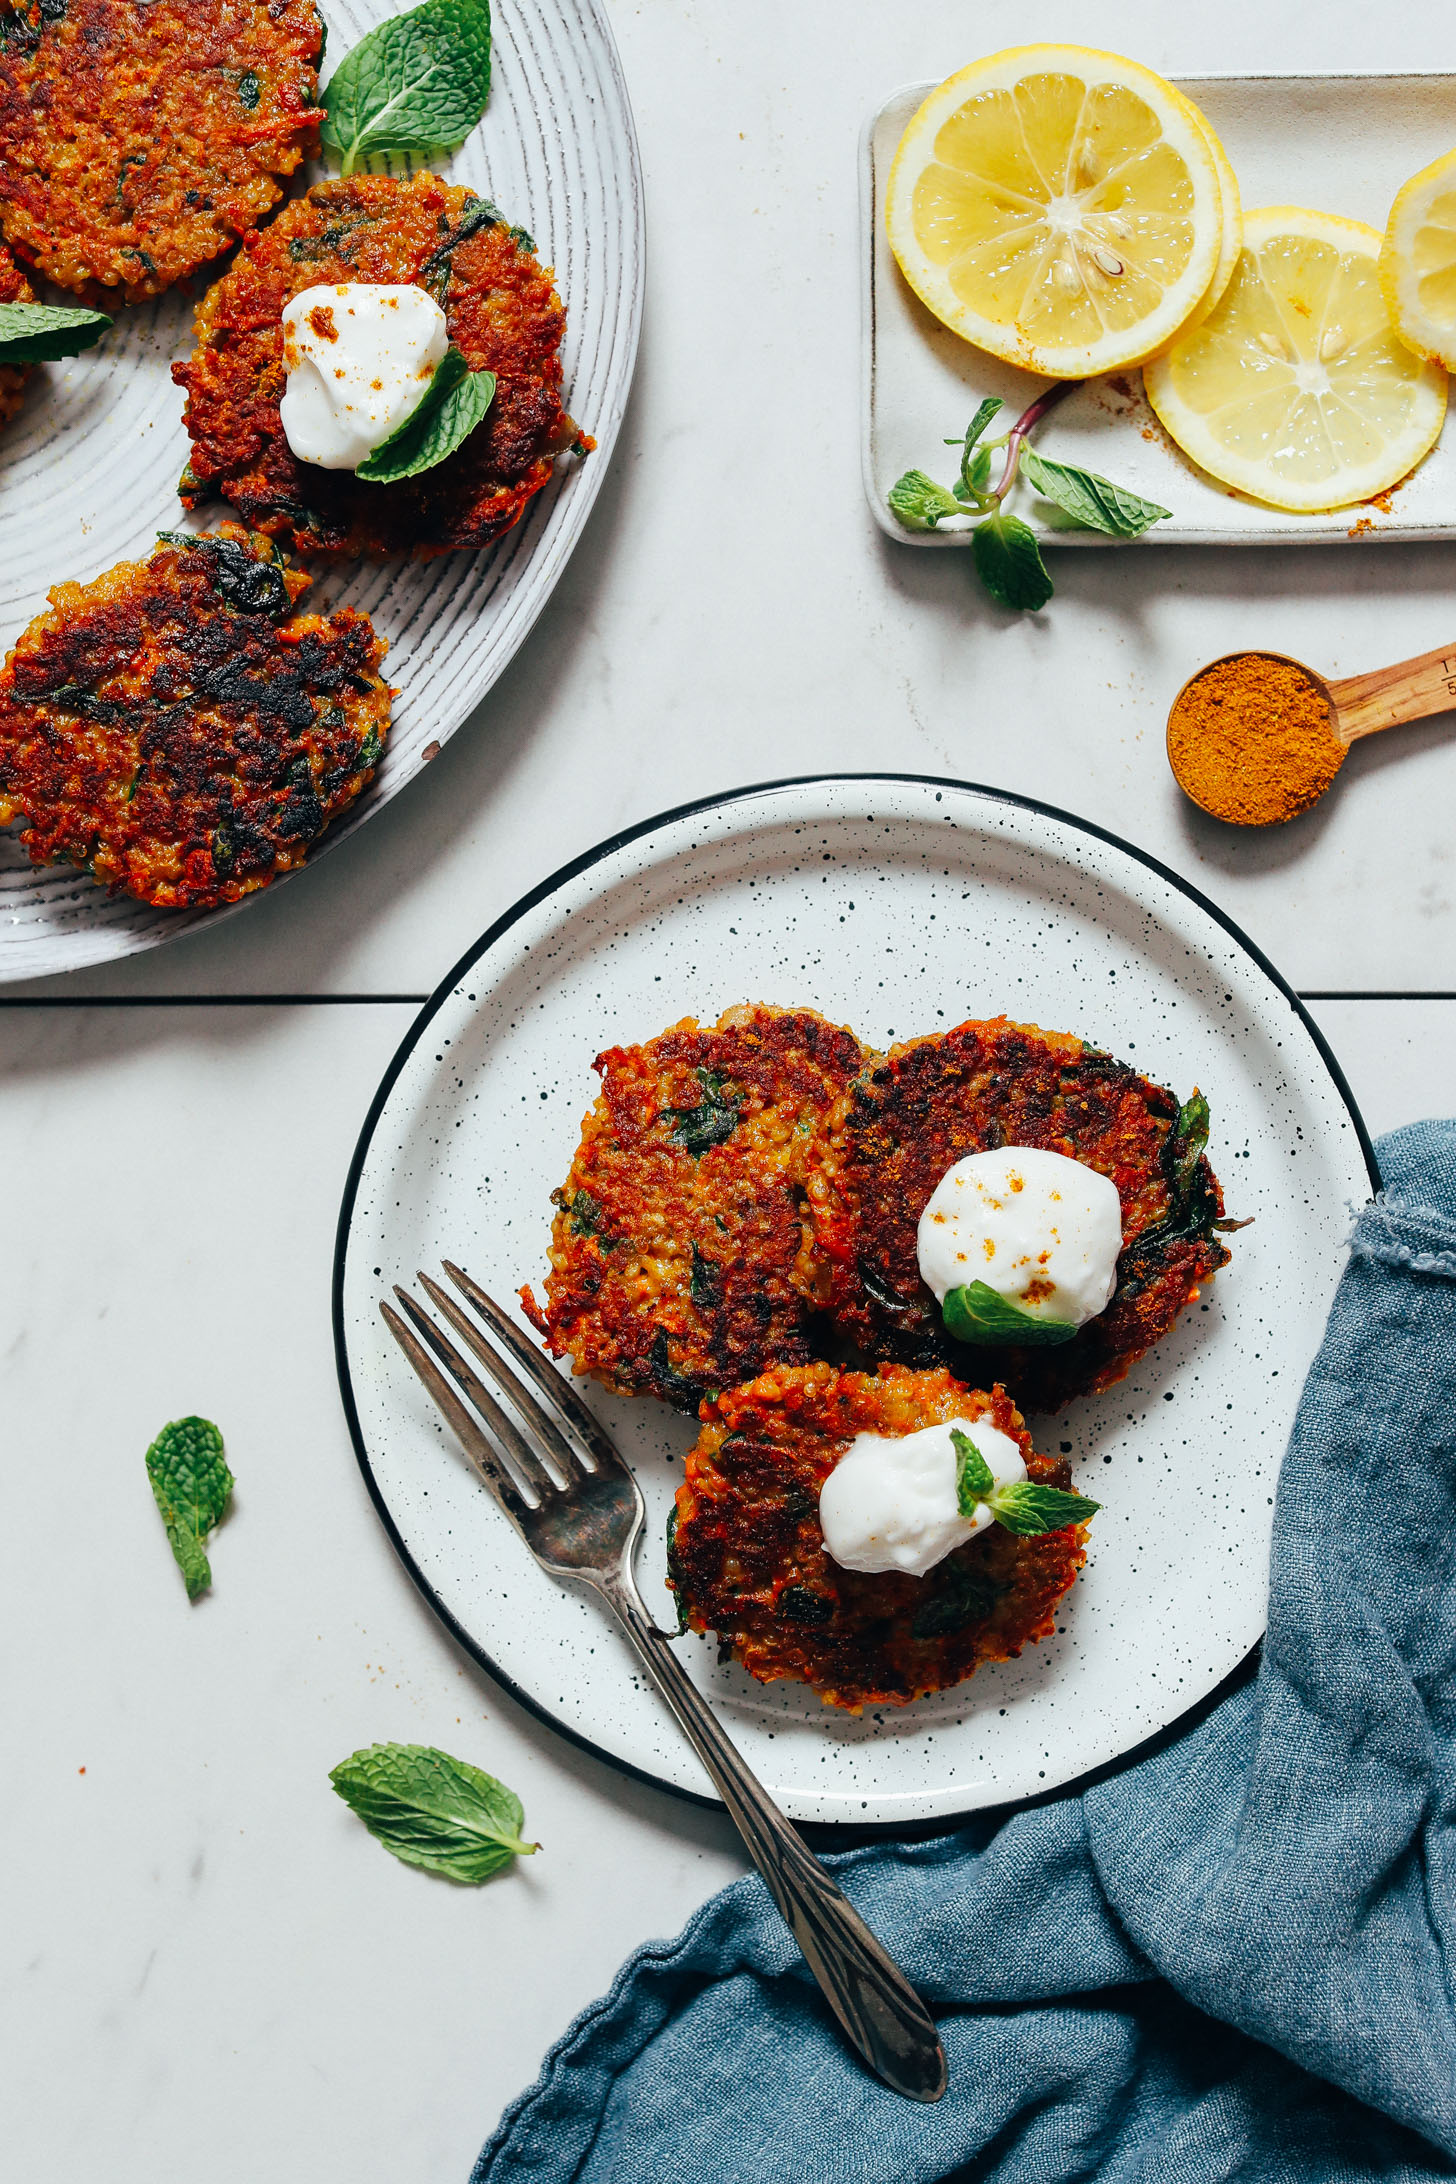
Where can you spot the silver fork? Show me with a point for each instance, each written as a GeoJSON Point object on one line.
{"type": "Point", "coordinates": [578, 1508]}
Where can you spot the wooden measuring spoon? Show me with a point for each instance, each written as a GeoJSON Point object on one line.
{"type": "Point", "coordinates": [1359, 705]}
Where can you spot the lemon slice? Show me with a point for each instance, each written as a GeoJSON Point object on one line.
{"type": "Point", "coordinates": [1296, 389]}
{"type": "Point", "coordinates": [1418, 262]}
{"type": "Point", "coordinates": [1058, 207]}
{"type": "Point", "coordinates": [1233, 216]}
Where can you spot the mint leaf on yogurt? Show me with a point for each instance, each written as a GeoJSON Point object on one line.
{"type": "Point", "coordinates": [977, 1313]}
{"type": "Point", "coordinates": [975, 1480]}
{"type": "Point", "coordinates": [446, 414]}
{"type": "Point", "coordinates": [192, 1486]}
{"type": "Point", "coordinates": [417, 83]}
{"type": "Point", "coordinates": [431, 1810]}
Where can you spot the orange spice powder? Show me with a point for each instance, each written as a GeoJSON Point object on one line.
{"type": "Point", "coordinates": [1250, 740]}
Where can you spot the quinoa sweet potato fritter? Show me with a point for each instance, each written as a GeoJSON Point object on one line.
{"type": "Point", "coordinates": [747, 1557]}
{"type": "Point", "coordinates": [502, 313]}
{"type": "Point", "coordinates": [174, 729]}
{"type": "Point", "coordinates": [677, 1260]}
{"type": "Point", "coordinates": [139, 138]}
{"type": "Point", "coordinates": [14, 288]}
{"type": "Point", "coordinates": [932, 1101]}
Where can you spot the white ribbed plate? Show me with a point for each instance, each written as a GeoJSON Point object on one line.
{"type": "Point", "coordinates": [88, 471]}
{"type": "Point", "coordinates": [897, 906]}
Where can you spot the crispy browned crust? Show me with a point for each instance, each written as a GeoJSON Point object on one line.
{"type": "Point", "coordinates": [503, 315]}
{"type": "Point", "coordinates": [675, 1270]}
{"type": "Point", "coordinates": [932, 1101]}
{"type": "Point", "coordinates": [138, 138]}
{"type": "Point", "coordinates": [14, 288]}
{"type": "Point", "coordinates": [177, 731]}
{"type": "Point", "coordinates": [747, 1557]}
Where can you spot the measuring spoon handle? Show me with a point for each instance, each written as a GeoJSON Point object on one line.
{"type": "Point", "coordinates": [1411, 690]}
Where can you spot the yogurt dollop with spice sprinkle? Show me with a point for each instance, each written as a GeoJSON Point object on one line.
{"type": "Point", "coordinates": [1042, 1231]}
{"type": "Point", "coordinates": [890, 1503]}
{"type": "Point", "coordinates": [359, 356]}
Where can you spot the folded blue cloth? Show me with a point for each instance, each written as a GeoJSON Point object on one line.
{"type": "Point", "coordinates": [1235, 1960]}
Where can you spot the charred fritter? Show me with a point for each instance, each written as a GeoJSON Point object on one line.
{"type": "Point", "coordinates": [909, 1117]}
{"type": "Point", "coordinates": [746, 1555]}
{"type": "Point", "coordinates": [178, 732]}
{"type": "Point", "coordinates": [677, 1252]}
{"type": "Point", "coordinates": [138, 138]}
{"type": "Point", "coordinates": [14, 288]}
{"type": "Point", "coordinates": [501, 311]}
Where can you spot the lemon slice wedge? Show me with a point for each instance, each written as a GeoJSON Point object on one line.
{"type": "Point", "coordinates": [1296, 388]}
{"type": "Point", "coordinates": [1058, 207]}
{"type": "Point", "coordinates": [1418, 262]}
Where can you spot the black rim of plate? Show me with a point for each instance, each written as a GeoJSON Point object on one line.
{"type": "Point", "coordinates": [467, 963]}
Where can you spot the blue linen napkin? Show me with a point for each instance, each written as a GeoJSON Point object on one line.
{"type": "Point", "coordinates": [1235, 1960]}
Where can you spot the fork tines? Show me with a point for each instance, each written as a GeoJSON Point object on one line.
{"type": "Point", "coordinates": [507, 1461]}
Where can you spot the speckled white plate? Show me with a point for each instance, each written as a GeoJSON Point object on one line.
{"type": "Point", "coordinates": [897, 906]}
{"type": "Point", "coordinates": [89, 469]}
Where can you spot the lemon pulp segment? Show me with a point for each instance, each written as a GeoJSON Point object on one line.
{"type": "Point", "coordinates": [1418, 262]}
{"type": "Point", "coordinates": [1296, 389]}
{"type": "Point", "coordinates": [1058, 207]}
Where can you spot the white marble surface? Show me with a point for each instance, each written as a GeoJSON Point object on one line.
{"type": "Point", "coordinates": [209, 1969]}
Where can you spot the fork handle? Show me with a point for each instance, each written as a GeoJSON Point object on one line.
{"type": "Point", "coordinates": [882, 2016]}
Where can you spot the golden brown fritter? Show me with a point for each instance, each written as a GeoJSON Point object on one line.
{"type": "Point", "coordinates": [502, 313]}
{"type": "Point", "coordinates": [932, 1101]}
{"type": "Point", "coordinates": [138, 138]}
{"type": "Point", "coordinates": [14, 288]}
{"type": "Point", "coordinates": [677, 1260]}
{"type": "Point", "coordinates": [746, 1554]}
{"type": "Point", "coordinates": [177, 731]}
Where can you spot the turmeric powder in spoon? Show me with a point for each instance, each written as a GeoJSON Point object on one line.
{"type": "Point", "coordinates": [1252, 739]}
{"type": "Point", "coordinates": [1256, 738]}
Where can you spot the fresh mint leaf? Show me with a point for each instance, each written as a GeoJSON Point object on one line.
{"type": "Point", "coordinates": [192, 1485]}
{"type": "Point", "coordinates": [974, 430]}
{"type": "Point", "coordinates": [418, 83]}
{"type": "Point", "coordinates": [444, 417]}
{"type": "Point", "coordinates": [1027, 1509]}
{"type": "Point", "coordinates": [1094, 503]}
{"type": "Point", "coordinates": [974, 1477]}
{"type": "Point", "coordinates": [977, 1313]}
{"type": "Point", "coordinates": [1009, 563]}
{"type": "Point", "coordinates": [39, 333]}
{"type": "Point", "coordinates": [919, 503]}
{"type": "Point", "coordinates": [434, 1811]}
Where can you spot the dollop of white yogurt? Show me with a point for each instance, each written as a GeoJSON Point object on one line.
{"type": "Point", "coordinates": [1041, 1230]}
{"type": "Point", "coordinates": [359, 355]}
{"type": "Point", "coordinates": [890, 1501]}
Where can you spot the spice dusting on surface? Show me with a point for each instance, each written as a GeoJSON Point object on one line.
{"type": "Point", "coordinates": [1250, 740]}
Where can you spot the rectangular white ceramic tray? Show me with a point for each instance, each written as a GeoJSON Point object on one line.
{"type": "Point", "coordinates": [1341, 143]}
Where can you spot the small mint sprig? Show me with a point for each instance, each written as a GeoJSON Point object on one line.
{"type": "Point", "coordinates": [977, 1313]}
{"type": "Point", "coordinates": [417, 83]}
{"type": "Point", "coordinates": [1005, 550]}
{"type": "Point", "coordinates": [1023, 1508]}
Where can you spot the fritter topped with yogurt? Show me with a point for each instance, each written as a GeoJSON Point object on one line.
{"type": "Point", "coordinates": [177, 731]}
{"type": "Point", "coordinates": [678, 1260]}
{"type": "Point", "coordinates": [986, 1084]}
{"type": "Point", "coordinates": [747, 1559]}
{"type": "Point", "coordinates": [501, 311]}
{"type": "Point", "coordinates": [139, 138]}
